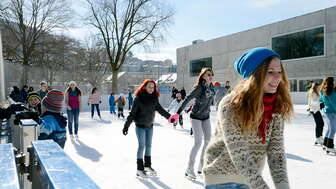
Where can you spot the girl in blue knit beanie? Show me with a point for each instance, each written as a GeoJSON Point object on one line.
{"type": "Point", "coordinates": [250, 126]}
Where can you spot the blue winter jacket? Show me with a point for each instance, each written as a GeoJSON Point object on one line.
{"type": "Point", "coordinates": [111, 101]}
{"type": "Point", "coordinates": [329, 102]}
{"type": "Point", "coordinates": [50, 128]}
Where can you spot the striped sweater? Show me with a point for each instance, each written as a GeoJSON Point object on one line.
{"type": "Point", "coordinates": [234, 157]}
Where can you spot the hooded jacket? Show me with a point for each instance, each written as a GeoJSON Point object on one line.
{"type": "Point", "coordinates": [143, 110]}
{"type": "Point", "coordinates": [53, 126]}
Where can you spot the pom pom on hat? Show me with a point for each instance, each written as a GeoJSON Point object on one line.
{"type": "Point", "coordinates": [249, 61]}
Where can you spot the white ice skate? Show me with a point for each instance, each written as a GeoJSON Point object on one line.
{"type": "Point", "coordinates": [319, 141]}
{"type": "Point", "coordinates": [190, 175]}
{"type": "Point", "coordinates": [150, 172]}
{"type": "Point", "coordinates": [141, 175]}
{"type": "Point", "coordinates": [331, 151]}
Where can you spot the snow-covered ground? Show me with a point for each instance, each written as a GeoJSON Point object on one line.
{"type": "Point", "coordinates": [109, 157]}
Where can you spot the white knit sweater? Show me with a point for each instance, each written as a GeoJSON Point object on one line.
{"type": "Point", "coordinates": [234, 157]}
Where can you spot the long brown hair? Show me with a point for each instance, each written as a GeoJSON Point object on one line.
{"type": "Point", "coordinates": [247, 101]}
{"type": "Point", "coordinates": [142, 87]}
{"type": "Point", "coordinates": [327, 86]}
{"type": "Point", "coordinates": [200, 76]}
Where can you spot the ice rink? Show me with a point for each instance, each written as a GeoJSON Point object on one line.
{"type": "Point", "coordinates": [109, 157]}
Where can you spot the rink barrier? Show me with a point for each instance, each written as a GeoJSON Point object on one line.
{"type": "Point", "coordinates": [8, 172]}
{"type": "Point", "coordinates": [53, 168]}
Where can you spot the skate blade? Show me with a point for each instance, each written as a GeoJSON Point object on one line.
{"type": "Point", "coordinates": [190, 178]}
{"type": "Point", "coordinates": [141, 178]}
{"type": "Point", "coordinates": [152, 175]}
{"type": "Point", "coordinates": [331, 153]}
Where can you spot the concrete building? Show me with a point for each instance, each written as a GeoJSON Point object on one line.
{"type": "Point", "coordinates": [307, 45]}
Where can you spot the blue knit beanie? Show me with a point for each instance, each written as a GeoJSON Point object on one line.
{"type": "Point", "coordinates": [249, 61]}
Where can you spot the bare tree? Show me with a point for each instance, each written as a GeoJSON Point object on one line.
{"type": "Point", "coordinates": [94, 62]}
{"type": "Point", "coordinates": [123, 24]}
{"type": "Point", "coordinates": [28, 20]}
{"type": "Point", "coordinates": [53, 54]}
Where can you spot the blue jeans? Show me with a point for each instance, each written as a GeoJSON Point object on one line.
{"type": "Point", "coordinates": [144, 136]}
{"type": "Point", "coordinates": [331, 122]}
{"type": "Point", "coordinates": [92, 109]}
{"type": "Point", "coordinates": [73, 116]}
{"type": "Point", "coordinates": [229, 185]}
{"type": "Point", "coordinates": [112, 109]}
{"type": "Point", "coordinates": [130, 103]}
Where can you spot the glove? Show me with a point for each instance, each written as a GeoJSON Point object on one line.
{"type": "Point", "coordinates": [35, 117]}
{"type": "Point", "coordinates": [27, 115]}
{"type": "Point", "coordinates": [125, 131]}
{"type": "Point", "coordinates": [173, 118]}
{"type": "Point", "coordinates": [16, 108]}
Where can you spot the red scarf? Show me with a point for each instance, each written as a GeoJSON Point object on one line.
{"type": "Point", "coordinates": [269, 101]}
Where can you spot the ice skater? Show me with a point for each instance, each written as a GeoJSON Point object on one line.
{"type": "Point", "coordinates": [112, 104]}
{"type": "Point", "coordinates": [120, 101]}
{"type": "Point", "coordinates": [174, 106]}
{"type": "Point", "coordinates": [314, 109]}
{"type": "Point", "coordinates": [203, 94]}
{"type": "Point", "coordinates": [250, 126]}
{"type": "Point", "coordinates": [146, 103]}
{"type": "Point", "coordinates": [328, 97]}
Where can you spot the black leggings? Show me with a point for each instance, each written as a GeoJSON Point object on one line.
{"type": "Point", "coordinates": [92, 109]}
{"type": "Point", "coordinates": [319, 123]}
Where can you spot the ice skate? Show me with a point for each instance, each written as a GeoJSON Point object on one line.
{"type": "Point", "coordinates": [331, 151]}
{"type": "Point", "coordinates": [150, 172]}
{"type": "Point", "coordinates": [190, 175]}
{"type": "Point", "coordinates": [319, 141]}
{"type": "Point", "coordinates": [199, 170]}
{"type": "Point", "coordinates": [140, 174]}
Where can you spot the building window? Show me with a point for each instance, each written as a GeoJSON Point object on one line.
{"type": "Point", "coordinates": [293, 85]}
{"type": "Point", "coordinates": [302, 44]}
{"type": "Point", "coordinates": [197, 65]}
{"type": "Point", "coordinates": [304, 85]}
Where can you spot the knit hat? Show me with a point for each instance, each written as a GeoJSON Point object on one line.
{"type": "Point", "coordinates": [53, 101]}
{"type": "Point", "coordinates": [248, 62]}
{"type": "Point", "coordinates": [33, 94]}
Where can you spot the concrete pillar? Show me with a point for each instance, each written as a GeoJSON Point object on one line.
{"type": "Point", "coordinates": [2, 75]}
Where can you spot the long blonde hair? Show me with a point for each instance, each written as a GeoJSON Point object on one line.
{"type": "Point", "coordinates": [247, 100]}
{"type": "Point", "coordinates": [314, 89]}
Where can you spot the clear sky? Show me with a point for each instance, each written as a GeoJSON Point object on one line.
{"type": "Point", "coordinates": [209, 19]}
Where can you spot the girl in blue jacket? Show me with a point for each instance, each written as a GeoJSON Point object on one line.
{"type": "Point", "coordinates": [112, 104]}
{"type": "Point", "coordinates": [328, 97]}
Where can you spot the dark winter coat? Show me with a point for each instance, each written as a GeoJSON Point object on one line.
{"type": "Point", "coordinates": [5, 113]}
{"type": "Point", "coordinates": [42, 94]}
{"type": "Point", "coordinates": [203, 95]}
{"type": "Point", "coordinates": [143, 110]}
{"type": "Point", "coordinates": [16, 94]}
{"type": "Point", "coordinates": [183, 94]}
{"type": "Point", "coordinates": [24, 95]}
{"type": "Point", "coordinates": [174, 92]}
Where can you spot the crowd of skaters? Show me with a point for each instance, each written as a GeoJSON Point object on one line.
{"type": "Point", "coordinates": [225, 160]}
